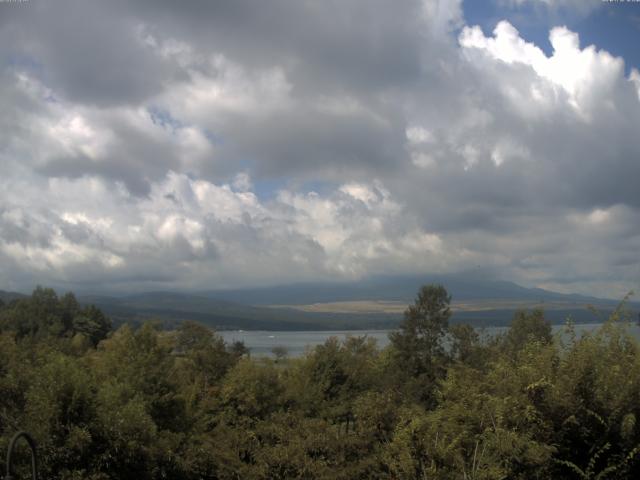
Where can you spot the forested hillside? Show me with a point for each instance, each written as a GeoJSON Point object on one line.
{"type": "Point", "coordinates": [146, 404]}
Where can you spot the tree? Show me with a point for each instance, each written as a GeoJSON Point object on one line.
{"type": "Point", "coordinates": [44, 315]}
{"type": "Point", "coordinates": [192, 335]}
{"type": "Point", "coordinates": [251, 389]}
{"type": "Point", "coordinates": [465, 345]}
{"type": "Point", "coordinates": [38, 316]}
{"type": "Point", "coordinates": [527, 327]}
{"type": "Point", "coordinates": [92, 323]}
{"type": "Point", "coordinates": [417, 345]}
{"type": "Point", "coordinates": [280, 352]}
{"type": "Point", "coordinates": [238, 349]}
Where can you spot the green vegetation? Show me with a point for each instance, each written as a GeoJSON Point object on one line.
{"type": "Point", "coordinates": [440, 402]}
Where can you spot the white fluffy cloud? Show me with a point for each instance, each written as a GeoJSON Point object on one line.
{"type": "Point", "coordinates": [89, 231]}
{"type": "Point", "coordinates": [589, 78]}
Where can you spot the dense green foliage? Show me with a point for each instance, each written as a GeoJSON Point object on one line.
{"type": "Point", "coordinates": [440, 402]}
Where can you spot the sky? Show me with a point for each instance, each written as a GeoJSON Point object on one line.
{"type": "Point", "coordinates": [159, 145]}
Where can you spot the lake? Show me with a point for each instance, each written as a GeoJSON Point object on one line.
{"type": "Point", "coordinates": [260, 343]}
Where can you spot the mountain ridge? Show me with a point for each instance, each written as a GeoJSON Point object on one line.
{"type": "Point", "coordinates": [7, 296]}
{"type": "Point", "coordinates": [321, 306]}
{"type": "Point", "coordinates": [393, 288]}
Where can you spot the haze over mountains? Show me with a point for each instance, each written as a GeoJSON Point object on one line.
{"type": "Point", "coordinates": [393, 288]}
{"type": "Point", "coordinates": [376, 302]}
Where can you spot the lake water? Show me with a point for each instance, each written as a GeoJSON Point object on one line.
{"type": "Point", "coordinates": [261, 343]}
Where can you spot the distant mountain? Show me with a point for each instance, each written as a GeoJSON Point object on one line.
{"type": "Point", "coordinates": [171, 308]}
{"type": "Point", "coordinates": [475, 300]}
{"type": "Point", "coordinates": [377, 302]}
{"type": "Point", "coordinates": [395, 288]}
{"type": "Point", "coordinates": [7, 297]}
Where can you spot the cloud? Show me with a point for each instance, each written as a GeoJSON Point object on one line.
{"type": "Point", "coordinates": [586, 76]}
{"type": "Point", "coordinates": [86, 52]}
{"type": "Point", "coordinates": [573, 112]}
{"type": "Point", "coordinates": [212, 144]}
{"type": "Point", "coordinates": [202, 233]}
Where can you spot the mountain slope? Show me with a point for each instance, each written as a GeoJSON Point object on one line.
{"type": "Point", "coordinates": [172, 307]}
{"type": "Point", "coordinates": [377, 302]}
{"type": "Point", "coordinates": [7, 297]}
{"type": "Point", "coordinates": [395, 288]}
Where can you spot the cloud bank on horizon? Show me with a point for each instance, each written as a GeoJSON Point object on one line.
{"type": "Point", "coordinates": [199, 145]}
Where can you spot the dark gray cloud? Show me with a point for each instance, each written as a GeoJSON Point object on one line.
{"type": "Point", "coordinates": [334, 44]}
{"type": "Point", "coordinates": [84, 50]}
